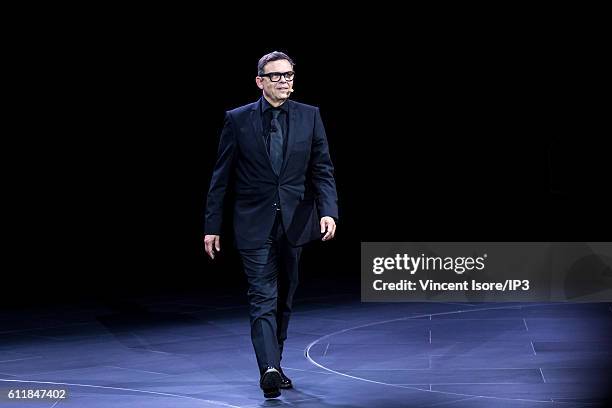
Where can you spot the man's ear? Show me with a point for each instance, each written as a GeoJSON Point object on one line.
{"type": "Point", "coordinates": [259, 82]}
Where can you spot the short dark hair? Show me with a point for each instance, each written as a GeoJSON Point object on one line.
{"type": "Point", "coordinates": [273, 56]}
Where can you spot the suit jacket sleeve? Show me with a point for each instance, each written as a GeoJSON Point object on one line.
{"type": "Point", "coordinates": [322, 172]}
{"type": "Point", "coordinates": [220, 179]}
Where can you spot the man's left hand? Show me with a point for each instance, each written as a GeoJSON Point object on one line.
{"type": "Point", "coordinates": [328, 225]}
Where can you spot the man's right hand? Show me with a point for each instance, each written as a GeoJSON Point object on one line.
{"type": "Point", "coordinates": [212, 243]}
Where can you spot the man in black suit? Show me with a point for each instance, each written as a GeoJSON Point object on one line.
{"type": "Point", "coordinates": [273, 154]}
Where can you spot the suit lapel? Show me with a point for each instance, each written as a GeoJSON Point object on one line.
{"type": "Point", "coordinates": [259, 133]}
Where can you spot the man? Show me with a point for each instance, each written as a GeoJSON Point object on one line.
{"type": "Point", "coordinates": [274, 155]}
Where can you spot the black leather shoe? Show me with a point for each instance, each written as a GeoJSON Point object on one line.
{"type": "Point", "coordinates": [270, 382]}
{"type": "Point", "coordinates": [285, 381]}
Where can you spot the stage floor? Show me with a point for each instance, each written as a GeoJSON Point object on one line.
{"type": "Point", "coordinates": [193, 352]}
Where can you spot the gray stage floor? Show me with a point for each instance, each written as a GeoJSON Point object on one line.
{"type": "Point", "coordinates": [193, 352]}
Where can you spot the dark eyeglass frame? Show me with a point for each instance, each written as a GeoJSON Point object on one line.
{"type": "Point", "coordinates": [280, 74]}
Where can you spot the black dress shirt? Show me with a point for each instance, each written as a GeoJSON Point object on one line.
{"type": "Point", "coordinates": [266, 118]}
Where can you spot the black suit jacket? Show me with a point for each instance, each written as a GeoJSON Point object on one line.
{"type": "Point", "coordinates": [305, 189]}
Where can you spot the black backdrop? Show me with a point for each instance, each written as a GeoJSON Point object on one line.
{"type": "Point", "coordinates": [482, 136]}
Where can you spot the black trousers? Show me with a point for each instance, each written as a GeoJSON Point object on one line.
{"type": "Point", "coordinates": [272, 273]}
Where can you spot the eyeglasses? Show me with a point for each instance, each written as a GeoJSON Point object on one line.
{"type": "Point", "coordinates": [276, 76]}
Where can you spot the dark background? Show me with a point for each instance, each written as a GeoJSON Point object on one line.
{"type": "Point", "coordinates": [455, 136]}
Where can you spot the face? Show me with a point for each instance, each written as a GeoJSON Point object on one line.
{"type": "Point", "coordinates": [275, 91]}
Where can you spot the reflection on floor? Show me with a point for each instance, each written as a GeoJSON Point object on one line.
{"type": "Point", "coordinates": [194, 352]}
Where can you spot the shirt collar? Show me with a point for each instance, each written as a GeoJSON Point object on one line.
{"type": "Point", "coordinates": [265, 105]}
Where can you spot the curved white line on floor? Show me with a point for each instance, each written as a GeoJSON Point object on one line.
{"type": "Point", "coordinates": [307, 352]}
{"type": "Point", "coordinates": [220, 403]}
